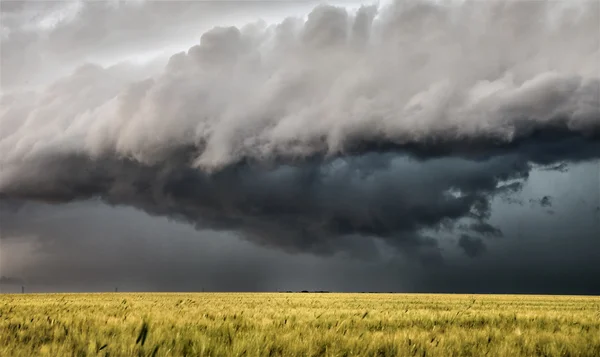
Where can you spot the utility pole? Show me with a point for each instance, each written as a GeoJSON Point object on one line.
{"type": "Point", "coordinates": [22, 290]}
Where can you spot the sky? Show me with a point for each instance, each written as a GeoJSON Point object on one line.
{"type": "Point", "coordinates": [405, 146]}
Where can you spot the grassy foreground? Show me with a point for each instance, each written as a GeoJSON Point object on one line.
{"type": "Point", "coordinates": [272, 324]}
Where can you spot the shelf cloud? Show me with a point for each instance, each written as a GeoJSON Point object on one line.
{"type": "Point", "coordinates": [320, 134]}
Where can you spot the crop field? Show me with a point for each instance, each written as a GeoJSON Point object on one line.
{"type": "Point", "coordinates": [298, 324]}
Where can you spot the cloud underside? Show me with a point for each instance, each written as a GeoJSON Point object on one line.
{"type": "Point", "coordinates": [321, 206]}
{"type": "Point", "coordinates": [310, 135]}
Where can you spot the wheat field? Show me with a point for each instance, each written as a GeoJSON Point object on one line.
{"type": "Point", "coordinates": [297, 324]}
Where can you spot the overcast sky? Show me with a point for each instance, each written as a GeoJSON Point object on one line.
{"type": "Point", "coordinates": [410, 146]}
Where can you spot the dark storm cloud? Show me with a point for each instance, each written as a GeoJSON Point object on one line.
{"type": "Point", "coordinates": [314, 206]}
{"type": "Point", "coordinates": [122, 247]}
{"type": "Point", "coordinates": [319, 135]}
{"type": "Point", "coordinates": [341, 134]}
{"type": "Point", "coordinates": [319, 206]}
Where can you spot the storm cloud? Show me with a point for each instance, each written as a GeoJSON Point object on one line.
{"type": "Point", "coordinates": [326, 134]}
{"type": "Point", "coordinates": [44, 40]}
{"type": "Point", "coordinates": [87, 245]}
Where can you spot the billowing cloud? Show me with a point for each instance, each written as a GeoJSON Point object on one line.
{"type": "Point", "coordinates": [315, 135]}
{"type": "Point", "coordinates": [314, 206]}
{"type": "Point", "coordinates": [41, 39]}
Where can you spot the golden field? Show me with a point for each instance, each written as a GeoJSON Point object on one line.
{"type": "Point", "coordinates": [297, 324]}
